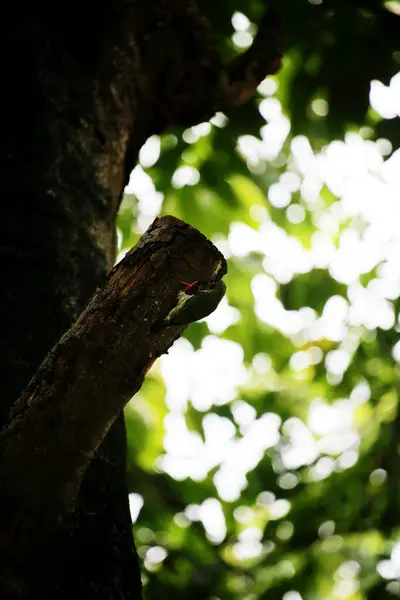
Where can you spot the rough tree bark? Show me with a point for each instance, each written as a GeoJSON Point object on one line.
{"type": "Point", "coordinates": [85, 86]}
{"type": "Point", "coordinates": [84, 383]}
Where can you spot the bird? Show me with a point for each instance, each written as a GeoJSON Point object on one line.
{"type": "Point", "coordinates": [196, 301]}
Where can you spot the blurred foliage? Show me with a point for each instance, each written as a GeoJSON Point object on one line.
{"type": "Point", "coordinates": [314, 526]}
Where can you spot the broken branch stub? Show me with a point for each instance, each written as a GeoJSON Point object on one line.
{"type": "Point", "coordinates": [99, 364]}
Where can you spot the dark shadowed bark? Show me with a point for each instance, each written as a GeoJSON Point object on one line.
{"type": "Point", "coordinates": [84, 86]}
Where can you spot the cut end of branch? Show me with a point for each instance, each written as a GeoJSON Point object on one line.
{"type": "Point", "coordinates": [100, 363]}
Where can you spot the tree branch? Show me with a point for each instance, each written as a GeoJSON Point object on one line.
{"type": "Point", "coordinates": [188, 81]}
{"type": "Point", "coordinates": [97, 366]}
{"type": "Point", "coordinates": [262, 58]}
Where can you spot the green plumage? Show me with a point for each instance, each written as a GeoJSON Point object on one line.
{"type": "Point", "coordinates": [196, 305]}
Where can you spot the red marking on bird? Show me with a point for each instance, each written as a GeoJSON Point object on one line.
{"type": "Point", "coordinates": [190, 286]}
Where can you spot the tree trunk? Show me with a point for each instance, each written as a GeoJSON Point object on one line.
{"type": "Point", "coordinates": [84, 86]}
{"type": "Point", "coordinates": [61, 181]}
